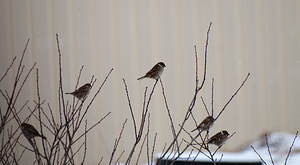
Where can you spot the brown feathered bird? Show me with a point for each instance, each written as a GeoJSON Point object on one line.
{"type": "Point", "coordinates": [82, 92]}
{"type": "Point", "coordinates": [155, 72]}
{"type": "Point", "coordinates": [206, 124]}
{"type": "Point", "coordinates": [30, 132]}
{"type": "Point", "coordinates": [219, 138]}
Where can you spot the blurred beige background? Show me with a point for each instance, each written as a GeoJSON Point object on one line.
{"type": "Point", "coordinates": [260, 37]}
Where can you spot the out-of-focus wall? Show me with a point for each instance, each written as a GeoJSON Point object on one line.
{"type": "Point", "coordinates": [260, 37]}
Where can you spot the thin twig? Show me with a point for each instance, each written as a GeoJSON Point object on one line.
{"type": "Point", "coordinates": [117, 142]}
{"type": "Point", "coordinates": [130, 108]}
{"type": "Point", "coordinates": [258, 155]}
{"type": "Point", "coordinates": [8, 68]}
{"type": "Point", "coordinates": [39, 111]}
{"type": "Point", "coordinates": [169, 113]}
{"type": "Point", "coordinates": [220, 159]}
{"type": "Point", "coordinates": [85, 132]}
{"type": "Point", "coordinates": [61, 102]}
{"type": "Point", "coordinates": [147, 142]}
{"type": "Point", "coordinates": [142, 146]}
{"type": "Point", "coordinates": [212, 97]}
{"type": "Point", "coordinates": [290, 150]}
{"type": "Point", "coordinates": [269, 149]}
{"type": "Point", "coordinates": [203, 102]}
{"type": "Point", "coordinates": [233, 96]}
{"type": "Point", "coordinates": [85, 143]}
{"type": "Point", "coordinates": [205, 55]}
{"type": "Point", "coordinates": [77, 82]}
{"type": "Point", "coordinates": [196, 68]}
{"type": "Point", "coordinates": [152, 153]}
{"type": "Point", "coordinates": [100, 161]}
{"type": "Point", "coordinates": [118, 159]}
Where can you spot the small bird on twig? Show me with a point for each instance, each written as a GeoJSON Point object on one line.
{"type": "Point", "coordinates": [155, 72]}
{"type": "Point", "coordinates": [219, 139]}
{"type": "Point", "coordinates": [82, 92]}
{"type": "Point", "coordinates": [30, 132]}
{"type": "Point", "coordinates": [206, 124]}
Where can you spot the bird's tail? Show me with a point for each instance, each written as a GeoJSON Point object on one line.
{"type": "Point", "coordinates": [194, 129]}
{"type": "Point", "coordinates": [141, 78]}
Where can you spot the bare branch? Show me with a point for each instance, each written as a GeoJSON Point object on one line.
{"type": "Point", "coordinates": [117, 161]}
{"type": "Point", "coordinates": [141, 128]}
{"type": "Point", "coordinates": [212, 97]}
{"type": "Point", "coordinates": [233, 96]}
{"type": "Point", "coordinates": [197, 89]}
{"type": "Point", "coordinates": [205, 55]}
{"type": "Point", "coordinates": [258, 155]}
{"type": "Point", "coordinates": [269, 149]}
{"type": "Point", "coordinates": [61, 102]}
{"type": "Point", "coordinates": [88, 106]}
{"type": "Point", "coordinates": [147, 138]}
{"type": "Point", "coordinates": [152, 153]}
{"type": "Point", "coordinates": [85, 142]}
{"type": "Point", "coordinates": [290, 150]}
{"type": "Point", "coordinates": [205, 106]}
{"type": "Point", "coordinates": [141, 148]}
{"type": "Point", "coordinates": [8, 68]}
{"type": "Point", "coordinates": [85, 132]}
{"type": "Point", "coordinates": [100, 161]}
{"type": "Point", "coordinates": [117, 143]}
{"type": "Point", "coordinates": [130, 108]}
{"type": "Point", "coordinates": [196, 68]}
{"type": "Point", "coordinates": [169, 114]}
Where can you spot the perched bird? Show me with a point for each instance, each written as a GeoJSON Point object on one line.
{"type": "Point", "coordinates": [206, 124]}
{"type": "Point", "coordinates": [155, 72]}
{"type": "Point", "coordinates": [30, 132]}
{"type": "Point", "coordinates": [82, 92]}
{"type": "Point", "coordinates": [219, 139]}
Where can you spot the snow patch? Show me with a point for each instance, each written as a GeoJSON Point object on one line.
{"type": "Point", "coordinates": [279, 145]}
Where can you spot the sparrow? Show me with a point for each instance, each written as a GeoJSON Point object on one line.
{"type": "Point", "coordinates": [219, 139]}
{"type": "Point", "coordinates": [206, 124]}
{"type": "Point", "coordinates": [82, 92]}
{"type": "Point", "coordinates": [30, 132]}
{"type": "Point", "coordinates": [155, 72]}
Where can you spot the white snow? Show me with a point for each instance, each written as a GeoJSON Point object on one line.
{"type": "Point", "coordinates": [279, 144]}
